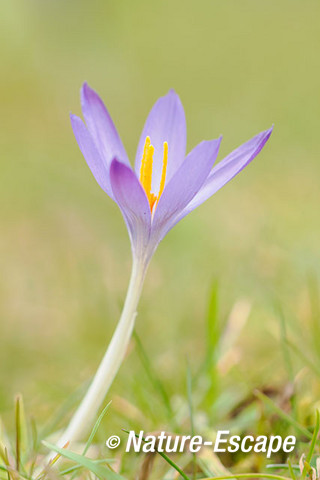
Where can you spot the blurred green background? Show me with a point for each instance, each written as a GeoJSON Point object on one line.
{"type": "Point", "coordinates": [239, 66]}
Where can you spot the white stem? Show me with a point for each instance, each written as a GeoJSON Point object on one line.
{"type": "Point", "coordinates": [82, 420]}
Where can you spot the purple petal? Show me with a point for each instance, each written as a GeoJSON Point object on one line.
{"type": "Point", "coordinates": [229, 167]}
{"type": "Point", "coordinates": [133, 203]}
{"type": "Point", "coordinates": [184, 185]}
{"type": "Point", "coordinates": [101, 127]}
{"type": "Point", "coordinates": [165, 123]}
{"type": "Point", "coordinates": [91, 154]}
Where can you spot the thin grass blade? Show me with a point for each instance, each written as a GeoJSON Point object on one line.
{"type": "Point", "coordinates": [100, 471]}
{"type": "Point", "coordinates": [299, 428]}
{"type": "Point", "coordinates": [95, 428]}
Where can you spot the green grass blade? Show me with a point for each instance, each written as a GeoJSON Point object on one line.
{"type": "Point", "coordinates": [213, 329]}
{"type": "Point", "coordinates": [248, 475]}
{"type": "Point", "coordinates": [63, 410]}
{"type": "Point", "coordinates": [21, 430]}
{"type": "Point", "coordinates": [6, 467]}
{"type": "Point", "coordinates": [312, 446]}
{"type": "Point", "coordinates": [283, 415]}
{"type": "Point", "coordinates": [167, 459]}
{"type": "Point", "coordinates": [100, 471]}
{"type": "Point", "coordinates": [173, 465]}
{"type": "Point", "coordinates": [283, 465]}
{"type": "Point", "coordinates": [313, 289]}
{"type": "Point", "coordinates": [313, 367]}
{"type": "Point", "coordinates": [284, 342]}
{"type": "Point", "coordinates": [190, 405]}
{"type": "Point", "coordinates": [154, 379]}
{"type": "Point", "coordinates": [189, 398]}
{"type": "Point", "coordinates": [314, 438]}
{"type": "Point", "coordinates": [75, 468]}
{"type": "Point", "coordinates": [4, 440]}
{"type": "Point", "coordinates": [291, 470]}
{"type": "Point", "coordinates": [95, 428]}
{"type": "Point", "coordinates": [286, 354]}
{"type": "Point", "coordinates": [213, 335]}
{"type": "Point", "coordinates": [204, 467]}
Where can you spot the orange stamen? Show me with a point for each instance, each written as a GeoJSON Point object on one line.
{"type": "Point", "coordinates": [152, 201]}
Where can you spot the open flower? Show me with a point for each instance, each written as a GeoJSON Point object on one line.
{"type": "Point", "coordinates": [165, 185]}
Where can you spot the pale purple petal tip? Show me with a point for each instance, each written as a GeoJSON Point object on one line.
{"type": "Point", "coordinates": [101, 126]}
{"type": "Point", "coordinates": [229, 167]}
{"type": "Point", "coordinates": [165, 123]}
{"type": "Point", "coordinates": [91, 154]}
{"type": "Point", "coordinates": [223, 172]}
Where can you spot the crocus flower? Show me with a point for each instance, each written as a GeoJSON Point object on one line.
{"type": "Point", "coordinates": [164, 186]}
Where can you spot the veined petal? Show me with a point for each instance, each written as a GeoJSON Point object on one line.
{"type": "Point", "coordinates": [101, 127]}
{"type": "Point", "coordinates": [91, 154]}
{"type": "Point", "coordinates": [134, 205]}
{"type": "Point", "coordinates": [165, 123]}
{"type": "Point", "coordinates": [184, 185]}
{"type": "Point", "coordinates": [228, 168]}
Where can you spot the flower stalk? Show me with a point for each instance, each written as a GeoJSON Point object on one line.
{"type": "Point", "coordinates": [81, 421]}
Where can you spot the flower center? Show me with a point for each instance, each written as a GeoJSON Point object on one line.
{"type": "Point", "coordinates": [146, 172]}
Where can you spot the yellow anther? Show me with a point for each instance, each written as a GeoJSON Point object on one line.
{"type": "Point", "coordinates": [164, 169]}
{"type": "Point", "coordinates": [146, 171]}
{"type": "Point", "coordinates": [147, 179]}
{"type": "Point", "coordinates": [146, 167]}
{"type": "Point", "coordinates": [143, 160]}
